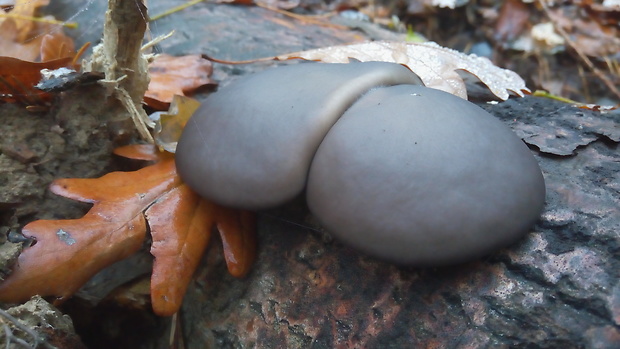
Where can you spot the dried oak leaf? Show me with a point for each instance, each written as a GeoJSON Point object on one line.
{"type": "Point", "coordinates": [178, 224]}
{"type": "Point", "coordinates": [176, 76]}
{"type": "Point", "coordinates": [54, 46]}
{"type": "Point", "coordinates": [125, 204]}
{"type": "Point", "coordinates": [24, 42]}
{"type": "Point", "coordinates": [437, 66]}
{"type": "Point", "coordinates": [170, 124]}
{"type": "Point", "coordinates": [25, 8]}
{"type": "Point", "coordinates": [23, 39]}
{"type": "Point", "coordinates": [18, 78]}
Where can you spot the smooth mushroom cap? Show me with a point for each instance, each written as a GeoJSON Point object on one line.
{"type": "Point", "coordinates": [250, 144]}
{"type": "Point", "coordinates": [418, 176]}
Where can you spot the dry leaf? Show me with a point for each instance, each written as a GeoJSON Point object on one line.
{"type": "Point", "coordinates": [56, 45]}
{"type": "Point", "coordinates": [512, 21]}
{"type": "Point", "coordinates": [139, 152]}
{"type": "Point", "coordinates": [280, 4]}
{"type": "Point", "coordinates": [169, 125]}
{"type": "Point", "coordinates": [437, 66]}
{"type": "Point", "coordinates": [22, 42]}
{"type": "Point", "coordinates": [26, 8]}
{"type": "Point", "coordinates": [176, 76]}
{"type": "Point", "coordinates": [68, 252]}
{"type": "Point", "coordinates": [10, 46]}
{"type": "Point", "coordinates": [23, 38]}
{"type": "Point", "coordinates": [180, 226]}
{"type": "Point", "coordinates": [237, 229]}
{"type": "Point", "coordinates": [18, 77]}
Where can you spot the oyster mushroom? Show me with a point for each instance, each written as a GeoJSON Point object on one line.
{"type": "Point", "coordinates": [418, 176]}
{"type": "Point", "coordinates": [402, 172]}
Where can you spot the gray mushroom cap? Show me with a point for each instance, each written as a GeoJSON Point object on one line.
{"type": "Point", "coordinates": [250, 144]}
{"type": "Point", "coordinates": [418, 176]}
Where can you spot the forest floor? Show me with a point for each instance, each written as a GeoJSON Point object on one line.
{"type": "Point", "coordinates": [557, 288]}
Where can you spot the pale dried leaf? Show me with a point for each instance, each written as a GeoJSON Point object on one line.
{"type": "Point", "coordinates": [437, 66]}
{"type": "Point", "coordinates": [26, 8]}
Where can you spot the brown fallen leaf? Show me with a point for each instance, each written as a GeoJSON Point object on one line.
{"type": "Point", "coordinates": [512, 20]}
{"type": "Point", "coordinates": [169, 125]}
{"type": "Point", "coordinates": [237, 229]}
{"type": "Point", "coordinates": [18, 78]}
{"type": "Point", "coordinates": [24, 8]}
{"type": "Point", "coordinates": [24, 41]}
{"type": "Point", "coordinates": [55, 46]}
{"type": "Point", "coordinates": [21, 36]}
{"type": "Point", "coordinates": [10, 46]}
{"type": "Point", "coordinates": [176, 76]}
{"type": "Point", "coordinates": [68, 252]}
{"type": "Point", "coordinates": [180, 226]}
{"type": "Point", "coordinates": [437, 66]}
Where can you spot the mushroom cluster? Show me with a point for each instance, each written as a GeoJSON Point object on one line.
{"type": "Point", "coordinates": [402, 172]}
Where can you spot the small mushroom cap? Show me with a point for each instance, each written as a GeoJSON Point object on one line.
{"type": "Point", "coordinates": [250, 144]}
{"type": "Point", "coordinates": [420, 177]}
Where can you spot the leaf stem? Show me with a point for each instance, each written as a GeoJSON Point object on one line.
{"type": "Point", "coordinates": [175, 9]}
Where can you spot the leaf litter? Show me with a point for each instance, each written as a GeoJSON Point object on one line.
{"type": "Point", "coordinates": [67, 253]}
{"type": "Point", "coordinates": [172, 76]}
{"type": "Point", "coordinates": [128, 204]}
{"type": "Point", "coordinates": [437, 66]}
{"type": "Point", "coordinates": [29, 44]}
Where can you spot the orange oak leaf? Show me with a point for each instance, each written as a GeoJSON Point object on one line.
{"type": "Point", "coordinates": [28, 46]}
{"type": "Point", "coordinates": [18, 77]}
{"type": "Point", "coordinates": [56, 45]}
{"type": "Point", "coordinates": [68, 252]}
{"type": "Point", "coordinates": [25, 8]}
{"type": "Point", "coordinates": [23, 33]}
{"type": "Point", "coordinates": [178, 222]}
{"type": "Point", "coordinates": [176, 76]}
{"type": "Point", "coordinates": [237, 230]}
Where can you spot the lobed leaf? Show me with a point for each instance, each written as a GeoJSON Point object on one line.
{"type": "Point", "coordinates": [172, 76]}
{"type": "Point", "coordinates": [67, 253]}
{"type": "Point", "coordinates": [180, 226]}
{"type": "Point", "coordinates": [437, 66]}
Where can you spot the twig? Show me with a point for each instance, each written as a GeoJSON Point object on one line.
{"type": "Point", "coordinates": [223, 61]}
{"type": "Point", "coordinates": [594, 107]}
{"type": "Point", "coordinates": [584, 58]}
{"type": "Point", "coordinates": [155, 41]}
{"type": "Point", "coordinates": [71, 25]}
{"type": "Point", "coordinates": [174, 10]}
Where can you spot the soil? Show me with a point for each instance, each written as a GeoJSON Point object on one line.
{"type": "Point", "coordinates": [71, 139]}
{"type": "Point", "coordinates": [40, 325]}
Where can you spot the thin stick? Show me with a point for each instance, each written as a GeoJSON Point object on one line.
{"type": "Point", "coordinates": [175, 9]}
{"type": "Point", "coordinates": [223, 61]}
{"type": "Point", "coordinates": [156, 41]}
{"type": "Point", "coordinates": [71, 25]}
